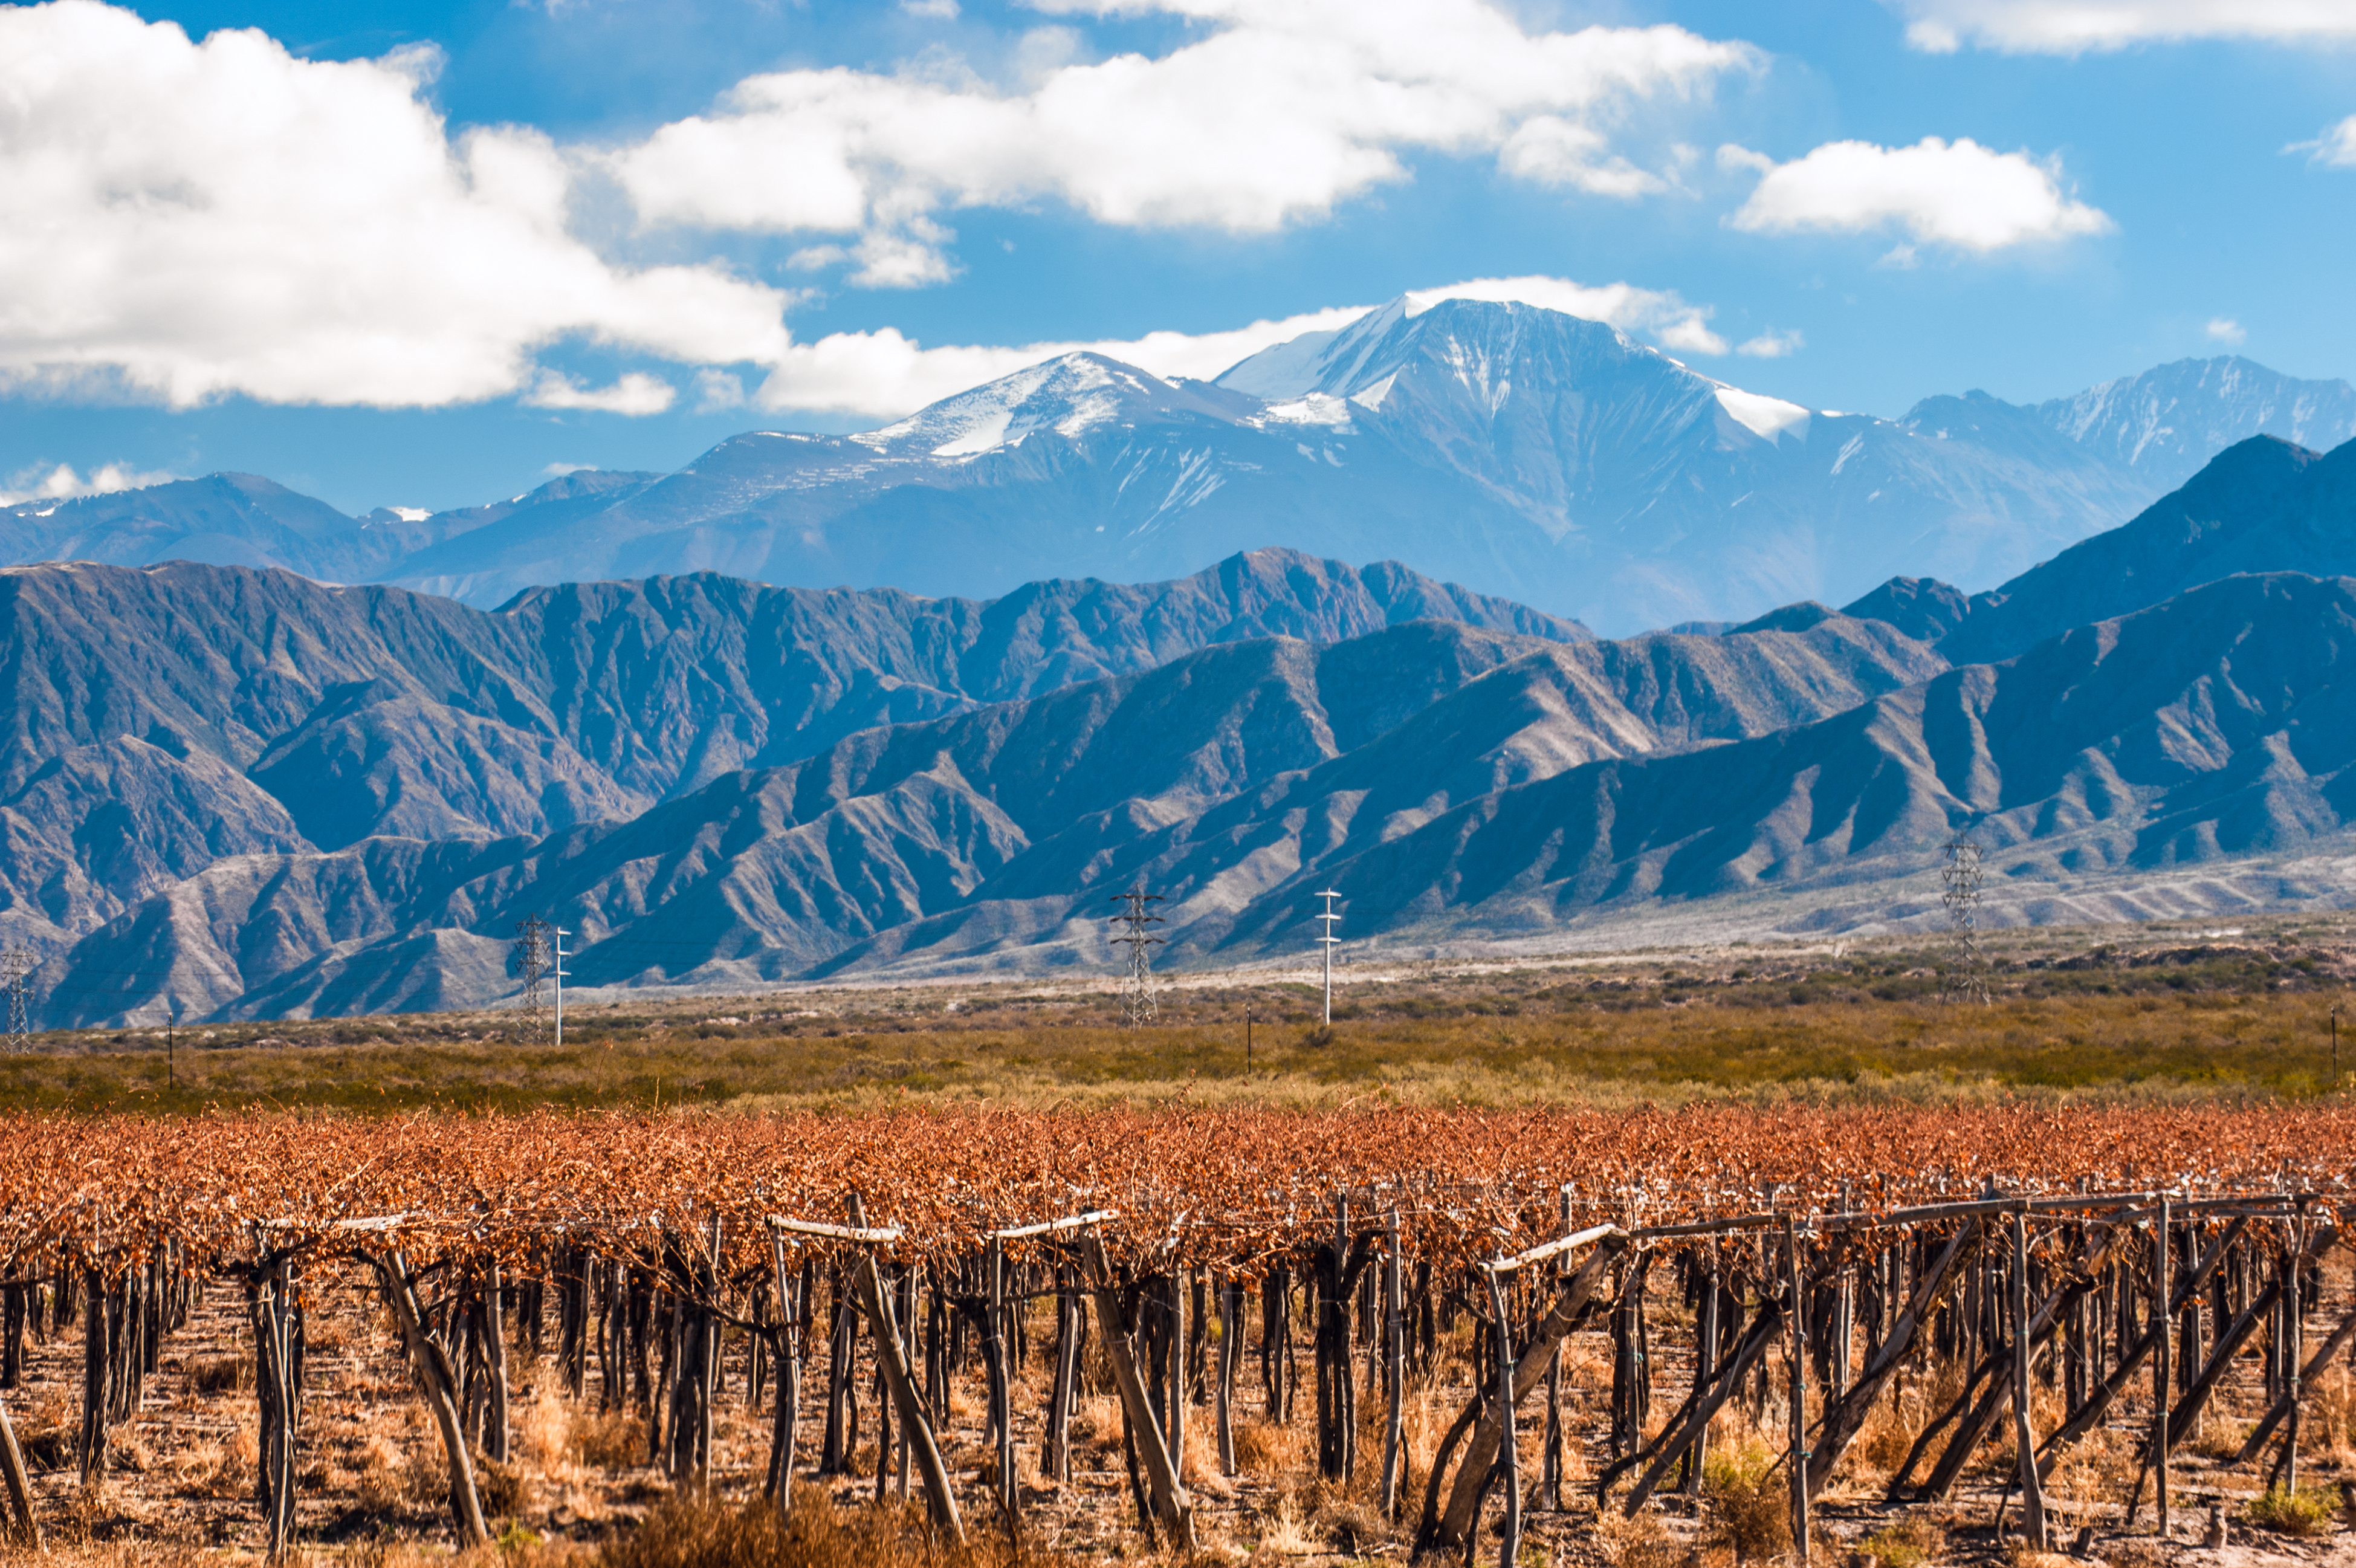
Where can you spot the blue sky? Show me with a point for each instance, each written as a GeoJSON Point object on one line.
{"type": "Point", "coordinates": [426, 256]}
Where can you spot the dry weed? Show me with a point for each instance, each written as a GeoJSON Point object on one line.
{"type": "Point", "coordinates": [612, 1440]}
{"type": "Point", "coordinates": [1638, 1542]}
{"type": "Point", "coordinates": [228, 1467]}
{"type": "Point", "coordinates": [690, 1532]}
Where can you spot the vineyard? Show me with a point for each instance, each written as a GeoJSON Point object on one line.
{"type": "Point", "coordinates": [1569, 1331]}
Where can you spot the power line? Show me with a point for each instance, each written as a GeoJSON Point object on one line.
{"type": "Point", "coordinates": [1966, 965]}
{"type": "Point", "coordinates": [17, 966]}
{"type": "Point", "coordinates": [532, 956]}
{"type": "Point", "coordinates": [1329, 941]}
{"type": "Point", "coordinates": [1137, 991]}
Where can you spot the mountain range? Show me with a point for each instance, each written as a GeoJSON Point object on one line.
{"type": "Point", "coordinates": [1522, 453]}
{"type": "Point", "coordinates": [237, 792]}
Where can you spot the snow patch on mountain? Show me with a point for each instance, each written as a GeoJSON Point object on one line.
{"type": "Point", "coordinates": [1770, 418]}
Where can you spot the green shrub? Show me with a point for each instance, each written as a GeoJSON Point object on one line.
{"type": "Point", "coordinates": [2307, 1511]}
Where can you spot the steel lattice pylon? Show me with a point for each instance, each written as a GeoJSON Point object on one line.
{"type": "Point", "coordinates": [1966, 966]}
{"type": "Point", "coordinates": [533, 959]}
{"type": "Point", "coordinates": [17, 966]}
{"type": "Point", "coordinates": [1137, 989]}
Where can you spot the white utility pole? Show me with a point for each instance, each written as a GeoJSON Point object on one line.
{"type": "Point", "coordinates": [1329, 941]}
{"type": "Point", "coordinates": [560, 933]}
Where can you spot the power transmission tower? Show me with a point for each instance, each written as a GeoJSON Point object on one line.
{"type": "Point", "coordinates": [17, 966]}
{"type": "Point", "coordinates": [1966, 965]}
{"type": "Point", "coordinates": [1137, 991]}
{"type": "Point", "coordinates": [1329, 941]}
{"type": "Point", "coordinates": [532, 950]}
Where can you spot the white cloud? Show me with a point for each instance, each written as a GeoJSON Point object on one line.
{"type": "Point", "coordinates": [62, 483]}
{"type": "Point", "coordinates": [1957, 194]}
{"type": "Point", "coordinates": [1276, 112]}
{"type": "Point", "coordinates": [886, 375]}
{"type": "Point", "coordinates": [195, 219]}
{"type": "Point", "coordinates": [2226, 330]}
{"type": "Point", "coordinates": [2073, 26]}
{"type": "Point", "coordinates": [937, 10]}
{"type": "Point", "coordinates": [1656, 313]}
{"type": "Point", "coordinates": [635, 393]}
{"type": "Point", "coordinates": [206, 219]}
{"type": "Point", "coordinates": [1772, 345]}
{"type": "Point", "coordinates": [2336, 148]}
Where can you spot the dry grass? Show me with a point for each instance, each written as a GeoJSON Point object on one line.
{"type": "Point", "coordinates": [686, 1533]}
{"type": "Point", "coordinates": [1750, 1510]}
{"type": "Point", "coordinates": [2149, 1013]}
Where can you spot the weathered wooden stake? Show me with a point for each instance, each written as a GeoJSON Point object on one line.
{"type": "Point", "coordinates": [937, 1496]}
{"type": "Point", "coordinates": [1393, 1364]}
{"type": "Point", "coordinates": [24, 1527]}
{"type": "Point", "coordinates": [439, 1387]}
{"type": "Point", "coordinates": [2032, 1495]}
{"type": "Point", "coordinates": [1231, 1329]}
{"type": "Point", "coordinates": [2163, 1295]}
{"type": "Point", "coordinates": [1509, 1546]}
{"type": "Point", "coordinates": [1170, 1502]}
{"type": "Point", "coordinates": [1798, 1319]}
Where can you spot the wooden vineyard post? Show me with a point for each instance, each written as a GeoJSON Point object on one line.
{"type": "Point", "coordinates": [2294, 1346]}
{"type": "Point", "coordinates": [1479, 1434]}
{"type": "Point", "coordinates": [1394, 1363]}
{"type": "Point", "coordinates": [2163, 1295]}
{"type": "Point", "coordinates": [789, 1379]}
{"type": "Point", "coordinates": [1231, 1328]}
{"type": "Point", "coordinates": [1170, 1499]}
{"type": "Point", "coordinates": [1071, 1321]}
{"type": "Point", "coordinates": [2032, 1495]}
{"type": "Point", "coordinates": [1509, 1547]}
{"type": "Point", "coordinates": [97, 1357]}
{"type": "Point", "coordinates": [23, 1526]}
{"type": "Point", "coordinates": [894, 1362]}
{"type": "Point", "coordinates": [1551, 1449]}
{"type": "Point", "coordinates": [278, 1394]}
{"type": "Point", "coordinates": [1174, 1397]}
{"type": "Point", "coordinates": [438, 1385]}
{"type": "Point", "coordinates": [1002, 1394]}
{"type": "Point", "coordinates": [1799, 1353]}
{"type": "Point", "coordinates": [1705, 1337]}
{"type": "Point", "coordinates": [495, 1346]}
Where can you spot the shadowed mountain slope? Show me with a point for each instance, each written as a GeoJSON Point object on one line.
{"type": "Point", "coordinates": [2219, 722]}
{"type": "Point", "coordinates": [2261, 506]}
{"type": "Point", "coordinates": [228, 711]}
{"type": "Point", "coordinates": [769, 871]}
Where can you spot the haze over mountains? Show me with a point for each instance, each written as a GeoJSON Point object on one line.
{"type": "Point", "coordinates": [1520, 452]}
{"type": "Point", "coordinates": [238, 792]}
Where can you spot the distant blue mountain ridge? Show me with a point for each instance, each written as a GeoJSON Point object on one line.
{"type": "Point", "coordinates": [1514, 450]}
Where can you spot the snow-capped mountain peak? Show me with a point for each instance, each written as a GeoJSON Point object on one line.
{"type": "Point", "coordinates": [1069, 396]}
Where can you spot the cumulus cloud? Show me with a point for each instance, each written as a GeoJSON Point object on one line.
{"type": "Point", "coordinates": [1660, 314]}
{"type": "Point", "coordinates": [2336, 148]}
{"type": "Point", "coordinates": [637, 392]}
{"type": "Point", "coordinates": [1276, 113]}
{"type": "Point", "coordinates": [1956, 194]}
{"type": "Point", "coordinates": [887, 375]}
{"type": "Point", "coordinates": [1772, 345]}
{"type": "Point", "coordinates": [62, 483]}
{"type": "Point", "coordinates": [2046, 27]}
{"type": "Point", "coordinates": [200, 218]}
{"type": "Point", "coordinates": [195, 219]}
{"type": "Point", "coordinates": [2226, 330]}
